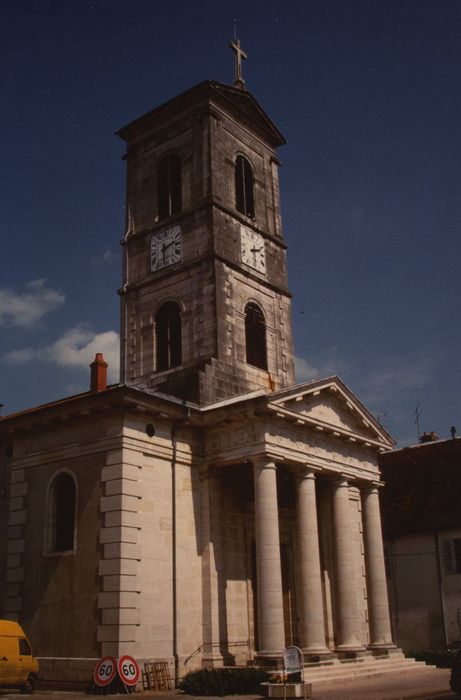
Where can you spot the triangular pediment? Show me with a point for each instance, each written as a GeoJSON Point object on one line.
{"type": "Point", "coordinates": [331, 406]}
{"type": "Point", "coordinates": [249, 110]}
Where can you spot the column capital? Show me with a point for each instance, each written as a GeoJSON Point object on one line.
{"type": "Point", "coordinates": [307, 471]}
{"type": "Point", "coordinates": [265, 460]}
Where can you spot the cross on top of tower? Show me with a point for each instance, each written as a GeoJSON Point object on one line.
{"type": "Point", "coordinates": [239, 55]}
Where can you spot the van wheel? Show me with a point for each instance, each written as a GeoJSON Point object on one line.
{"type": "Point", "coordinates": [29, 686]}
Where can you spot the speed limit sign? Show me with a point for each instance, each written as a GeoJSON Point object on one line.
{"type": "Point", "coordinates": [105, 670]}
{"type": "Point", "coordinates": [128, 670]}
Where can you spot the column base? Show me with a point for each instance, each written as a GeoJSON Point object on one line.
{"type": "Point", "coordinates": [316, 654]}
{"type": "Point", "coordinates": [270, 659]}
{"type": "Point", "coordinates": [212, 660]}
{"type": "Point", "coordinates": [350, 650]}
{"type": "Point", "coordinates": [383, 649]}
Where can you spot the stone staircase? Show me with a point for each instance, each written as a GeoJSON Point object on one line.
{"type": "Point", "coordinates": [338, 670]}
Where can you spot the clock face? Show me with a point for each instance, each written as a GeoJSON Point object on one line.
{"type": "Point", "coordinates": [252, 249]}
{"type": "Point", "coordinates": [165, 248]}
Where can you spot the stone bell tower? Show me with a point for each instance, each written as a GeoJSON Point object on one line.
{"type": "Point", "coordinates": [205, 307]}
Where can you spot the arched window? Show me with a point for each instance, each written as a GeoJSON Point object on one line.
{"type": "Point", "coordinates": [169, 185]}
{"type": "Point", "coordinates": [255, 336]}
{"type": "Point", "coordinates": [61, 513]}
{"type": "Point", "coordinates": [244, 187]}
{"type": "Point", "coordinates": [168, 342]}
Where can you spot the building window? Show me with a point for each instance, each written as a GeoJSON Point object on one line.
{"type": "Point", "coordinates": [169, 185]}
{"type": "Point", "coordinates": [244, 187]}
{"type": "Point", "coordinates": [61, 514]}
{"type": "Point", "coordinates": [451, 556]}
{"type": "Point", "coordinates": [255, 336]}
{"type": "Point", "coordinates": [168, 337]}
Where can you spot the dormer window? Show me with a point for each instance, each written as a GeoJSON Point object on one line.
{"type": "Point", "coordinates": [244, 187]}
{"type": "Point", "coordinates": [169, 186]}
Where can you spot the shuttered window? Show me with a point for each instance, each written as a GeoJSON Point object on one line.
{"type": "Point", "coordinates": [169, 185]}
{"type": "Point", "coordinates": [168, 337]}
{"type": "Point", "coordinates": [244, 187]}
{"type": "Point", "coordinates": [255, 336]}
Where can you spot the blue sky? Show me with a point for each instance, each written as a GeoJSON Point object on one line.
{"type": "Point", "coordinates": [368, 95]}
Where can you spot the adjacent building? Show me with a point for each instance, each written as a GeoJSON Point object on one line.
{"type": "Point", "coordinates": [422, 528]}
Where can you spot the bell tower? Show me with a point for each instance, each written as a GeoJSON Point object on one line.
{"type": "Point", "coordinates": [205, 307]}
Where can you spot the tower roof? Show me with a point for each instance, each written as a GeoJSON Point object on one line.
{"type": "Point", "coordinates": [233, 99]}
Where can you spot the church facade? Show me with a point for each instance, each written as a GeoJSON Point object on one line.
{"type": "Point", "coordinates": [206, 510]}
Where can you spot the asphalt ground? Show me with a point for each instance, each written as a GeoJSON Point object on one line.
{"type": "Point", "coordinates": [424, 685]}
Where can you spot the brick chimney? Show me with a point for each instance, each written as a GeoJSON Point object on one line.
{"type": "Point", "coordinates": [98, 373]}
{"type": "Point", "coordinates": [429, 437]}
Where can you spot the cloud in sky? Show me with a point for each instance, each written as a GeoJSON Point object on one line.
{"type": "Point", "coordinates": [397, 378]}
{"type": "Point", "coordinates": [25, 309]}
{"type": "Point", "coordinates": [76, 348]}
{"type": "Point", "coordinates": [305, 371]}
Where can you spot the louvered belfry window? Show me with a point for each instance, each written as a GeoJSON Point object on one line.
{"type": "Point", "coordinates": [168, 337]}
{"type": "Point", "coordinates": [169, 185]}
{"type": "Point", "coordinates": [255, 336]}
{"type": "Point", "coordinates": [244, 187]}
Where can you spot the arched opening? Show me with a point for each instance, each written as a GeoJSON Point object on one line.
{"type": "Point", "coordinates": [61, 513]}
{"type": "Point", "coordinates": [169, 185]}
{"type": "Point", "coordinates": [168, 337]}
{"type": "Point", "coordinates": [244, 187]}
{"type": "Point", "coordinates": [255, 336]}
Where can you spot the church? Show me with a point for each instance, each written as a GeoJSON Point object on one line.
{"type": "Point", "coordinates": [206, 510]}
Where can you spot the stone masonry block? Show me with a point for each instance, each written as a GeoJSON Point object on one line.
{"type": "Point", "coordinates": [112, 567]}
{"type": "Point", "coordinates": [118, 599]}
{"type": "Point", "coordinates": [116, 518]}
{"type": "Point", "coordinates": [118, 503]}
{"type": "Point", "coordinates": [17, 475]}
{"type": "Point", "coordinates": [18, 517]}
{"type": "Point", "coordinates": [126, 550]}
{"type": "Point", "coordinates": [121, 583]}
{"type": "Point", "coordinates": [118, 534]}
{"type": "Point", "coordinates": [116, 633]}
{"type": "Point", "coordinates": [123, 486]}
{"type": "Point", "coordinates": [17, 490]}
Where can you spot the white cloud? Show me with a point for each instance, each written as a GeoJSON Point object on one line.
{"type": "Point", "coordinates": [25, 309]}
{"type": "Point", "coordinates": [396, 379]}
{"type": "Point", "coordinates": [305, 371]}
{"type": "Point", "coordinates": [76, 348]}
{"type": "Point", "coordinates": [107, 257]}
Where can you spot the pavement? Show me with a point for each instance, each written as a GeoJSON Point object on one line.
{"type": "Point", "coordinates": [427, 684]}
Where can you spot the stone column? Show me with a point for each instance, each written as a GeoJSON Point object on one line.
{"type": "Point", "coordinates": [345, 584]}
{"type": "Point", "coordinates": [308, 561]}
{"type": "Point", "coordinates": [378, 606]}
{"type": "Point", "coordinates": [269, 572]}
{"type": "Point", "coordinates": [211, 655]}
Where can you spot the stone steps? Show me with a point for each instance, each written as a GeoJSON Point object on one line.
{"type": "Point", "coordinates": [337, 671]}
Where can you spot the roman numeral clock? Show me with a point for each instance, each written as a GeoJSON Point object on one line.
{"type": "Point", "coordinates": [165, 248]}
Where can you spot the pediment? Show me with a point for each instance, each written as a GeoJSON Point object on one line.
{"type": "Point", "coordinates": [330, 405]}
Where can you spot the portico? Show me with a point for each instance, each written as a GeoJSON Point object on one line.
{"type": "Point", "coordinates": [339, 602]}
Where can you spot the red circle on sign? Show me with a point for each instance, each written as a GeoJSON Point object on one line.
{"type": "Point", "coordinates": [105, 670]}
{"type": "Point", "coordinates": [128, 670]}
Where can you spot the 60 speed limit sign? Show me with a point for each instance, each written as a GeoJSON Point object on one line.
{"type": "Point", "coordinates": [128, 670]}
{"type": "Point", "coordinates": [105, 670]}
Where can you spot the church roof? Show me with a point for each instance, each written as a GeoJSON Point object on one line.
{"type": "Point", "coordinates": [422, 488]}
{"type": "Point", "coordinates": [235, 100]}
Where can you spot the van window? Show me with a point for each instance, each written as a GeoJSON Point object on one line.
{"type": "Point", "coordinates": [24, 647]}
